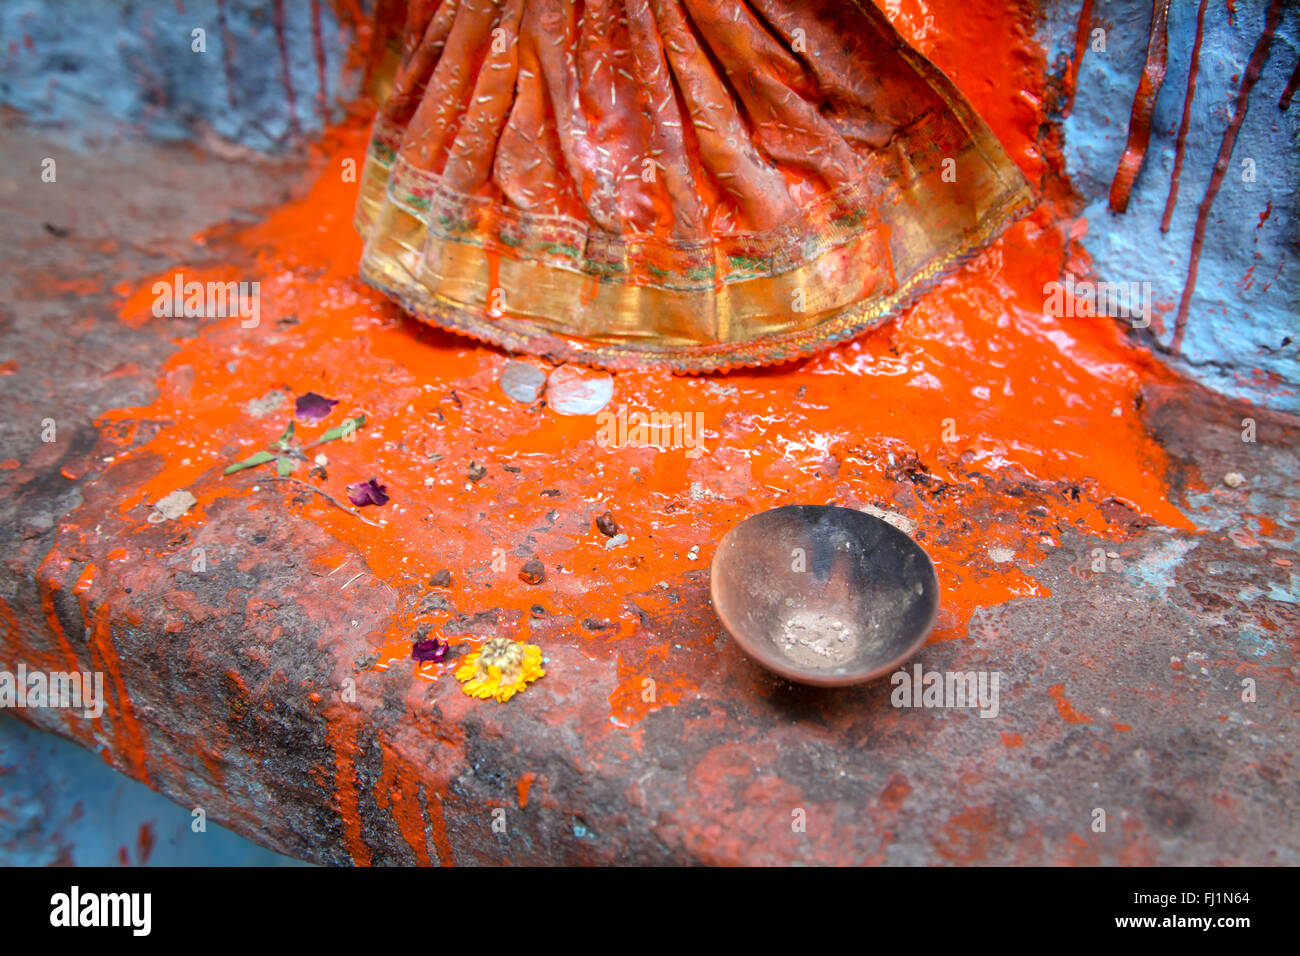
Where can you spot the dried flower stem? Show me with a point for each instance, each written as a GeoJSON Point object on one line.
{"type": "Point", "coordinates": [328, 497]}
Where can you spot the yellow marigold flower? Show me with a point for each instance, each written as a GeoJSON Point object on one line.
{"type": "Point", "coordinates": [500, 669]}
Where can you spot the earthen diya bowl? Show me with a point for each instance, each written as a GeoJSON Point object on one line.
{"type": "Point", "coordinates": [824, 595]}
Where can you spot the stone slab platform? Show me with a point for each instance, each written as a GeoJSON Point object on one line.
{"type": "Point", "coordinates": [1122, 689]}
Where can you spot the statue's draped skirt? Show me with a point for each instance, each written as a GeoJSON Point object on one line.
{"type": "Point", "coordinates": [692, 183]}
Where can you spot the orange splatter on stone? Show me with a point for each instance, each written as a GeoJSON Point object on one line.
{"type": "Point", "coordinates": [1065, 708]}
{"type": "Point", "coordinates": [525, 784]}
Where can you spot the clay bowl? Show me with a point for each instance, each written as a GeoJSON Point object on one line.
{"type": "Point", "coordinates": [824, 595]}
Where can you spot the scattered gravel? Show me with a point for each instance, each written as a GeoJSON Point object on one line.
{"type": "Point", "coordinates": [533, 572]}
{"type": "Point", "coordinates": [522, 381]}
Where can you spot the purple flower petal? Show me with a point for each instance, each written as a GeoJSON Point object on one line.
{"type": "Point", "coordinates": [312, 407]}
{"type": "Point", "coordinates": [367, 493]}
{"type": "Point", "coordinates": [434, 649]}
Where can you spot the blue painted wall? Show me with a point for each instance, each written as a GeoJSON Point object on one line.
{"type": "Point", "coordinates": [1247, 299]}
{"type": "Point", "coordinates": [94, 70]}
{"type": "Point", "coordinates": [61, 804]}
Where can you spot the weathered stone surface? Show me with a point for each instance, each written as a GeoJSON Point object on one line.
{"type": "Point", "coordinates": [221, 666]}
{"type": "Point", "coordinates": [225, 74]}
{"type": "Point", "coordinates": [1121, 689]}
{"type": "Point", "coordinates": [218, 666]}
{"type": "Point", "coordinates": [1248, 267]}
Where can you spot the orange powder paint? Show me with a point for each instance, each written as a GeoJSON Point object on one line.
{"type": "Point", "coordinates": [341, 734]}
{"type": "Point", "coordinates": [639, 693]}
{"type": "Point", "coordinates": [972, 388]}
{"type": "Point", "coordinates": [129, 740]}
{"type": "Point", "coordinates": [86, 581]}
{"type": "Point", "coordinates": [1065, 708]}
{"type": "Point", "coordinates": [75, 728]}
{"type": "Point", "coordinates": [980, 419]}
{"type": "Point", "coordinates": [1003, 78]}
{"type": "Point", "coordinates": [400, 794]}
{"type": "Point", "coordinates": [525, 784]}
{"type": "Point", "coordinates": [438, 824]}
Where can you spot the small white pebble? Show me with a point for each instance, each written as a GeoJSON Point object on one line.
{"type": "Point", "coordinates": [1234, 479]}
